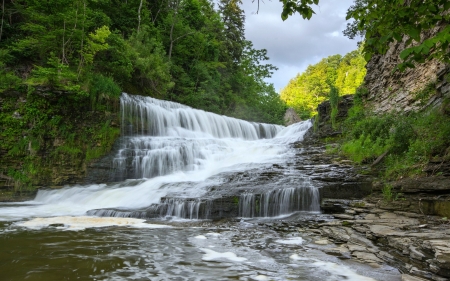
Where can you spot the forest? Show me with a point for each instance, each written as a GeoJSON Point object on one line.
{"type": "Point", "coordinates": [185, 51]}
{"type": "Point", "coordinates": [310, 88]}
{"type": "Point", "coordinates": [64, 64]}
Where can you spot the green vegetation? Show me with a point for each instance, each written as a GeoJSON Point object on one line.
{"type": "Point", "coordinates": [381, 22]}
{"type": "Point", "coordinates": [47, 135]}
{"type": "Point", "coordinates": [406, 141]}
{"type": "Point", "coordinates": [183, 51]}
{"type": "Point", "coordinates": [332, 76]}
{"type": "Point", "coordinates": [64, 64]}
{"type": "Point", "coordinates": [388, 194]}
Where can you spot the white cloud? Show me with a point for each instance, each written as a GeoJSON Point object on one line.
{"type": "Point", "coordinates": [295, 43]}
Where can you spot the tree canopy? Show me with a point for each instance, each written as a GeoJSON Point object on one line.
{"type": "Point", "coordinates": [382, 22]}
{"type": "Point", "coordinates": [179, 50]}
{"type": "Point", "coordinates": [308, 89]}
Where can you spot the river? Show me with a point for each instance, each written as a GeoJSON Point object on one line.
{"type": "Point", "coordinates": [154, 221]}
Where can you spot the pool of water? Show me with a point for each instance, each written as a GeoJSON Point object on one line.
{"type": "Point", "coordinates": [129, 249]}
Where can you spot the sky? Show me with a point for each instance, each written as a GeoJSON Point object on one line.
{"type": "Point", "coordinates": [294, 44]}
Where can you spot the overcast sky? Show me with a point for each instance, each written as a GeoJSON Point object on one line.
{"type": "Point", "coordinates": [294, 44]}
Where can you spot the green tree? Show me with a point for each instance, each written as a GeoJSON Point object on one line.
{"type": "Point", "coordinates": [351, 72]}
{"type": "Point", "coordinates": [233, 18]}
{"type": "Point", "coordinates": [383, 22]}
{"type": "Point", "coordinates": [307, 90]}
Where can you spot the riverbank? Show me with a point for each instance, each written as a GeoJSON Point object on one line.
{"type": "Point", "coordinates": [403, 222]}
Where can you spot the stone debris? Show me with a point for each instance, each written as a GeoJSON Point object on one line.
{"type": "Point", "coordinates": [407, 277]}
{"type": "Point", "coordinates": [401, 239]}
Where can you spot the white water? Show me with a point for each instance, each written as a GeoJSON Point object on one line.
{"type": "Point", "coordinates": [168, 149]}
{"type": "Point", "coordinates": [176, 144]}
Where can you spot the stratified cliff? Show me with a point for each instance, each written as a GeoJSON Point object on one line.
{"type": "Point", "coordinates": [426, 85]}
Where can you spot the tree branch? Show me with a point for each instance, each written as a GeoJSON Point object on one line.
{"type": "Point", "coordinates": [3, 16]}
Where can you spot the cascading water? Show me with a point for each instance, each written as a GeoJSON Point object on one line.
{"type": "Point", "coordinates": [279, 202]}
{"type": "Point", "coordinates": [162, 137]}
{"type": "Point", "coordinates": [171, 156]}
{"type": "Point", "coordinates": [184, 163]}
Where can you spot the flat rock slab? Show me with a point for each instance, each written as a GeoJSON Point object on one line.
{"type": "Point", "coordinates": [407, 277]}
{"type": "Point", "coordinates": [344, 216]}
{"type": "Point", "coordinates": [417, 244]}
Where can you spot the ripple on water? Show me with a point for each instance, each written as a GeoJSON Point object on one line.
{"type": "Point", "coordinates": [129, 253]}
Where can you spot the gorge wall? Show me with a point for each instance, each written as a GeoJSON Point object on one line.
{"type": "Point", "coordinates": [49, 139]}
{"type": "Point", "coordinates": [426, 85]}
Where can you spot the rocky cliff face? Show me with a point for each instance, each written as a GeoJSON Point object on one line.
{"type": "Point", "coordinates": [47, 139]}
{"type": "Point", "coordinates": [291, 117]}
{"type": "Point", "coordinates": [427, 85]}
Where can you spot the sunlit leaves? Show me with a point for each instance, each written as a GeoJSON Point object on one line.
{"type": "Point", "coordinates": [96, 43]}
{"type": "Point", "coordinates": [382, 22]}
{"type": "Point", "coordinates": [300, 6]}
{"type": "Point", "coordinates": [308, 89]}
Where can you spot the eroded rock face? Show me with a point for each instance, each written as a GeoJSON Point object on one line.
{"type": "Point", "coordinates": [418, 245]}
{"type": "Point", "coordinates": [291, 117]}
{"type": "Point", "coordinates": [399, 91]}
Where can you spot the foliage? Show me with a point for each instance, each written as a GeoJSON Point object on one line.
{"type": "Point", "coordinates": [307, 90]}
{"type": "Point", "coordinates": [303, 7]}
{"type": "Point", "coordinates": [8, 78]}
{"type": "Point", "coordinates": [64, 64]}
{"type": "Point", "coordinates": [383, 22]}
{"type": "Point", "coordinates": [388, 193]}
{"type": "Point", "coordinates": [58, 128]}
{"type": "Point", "coordinates": [184, 51]}
{"type": "Point", "coordinates": [409, 141]}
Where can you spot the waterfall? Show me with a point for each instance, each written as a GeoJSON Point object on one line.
{"type": "Point", "coordinates": [163, 137]}
{"type": "Point", "coordinates": [171, 161]}
{"type": "Point", "coordinates": [147, 116]}
{"type": "Point", "coordinates": [279, 202]}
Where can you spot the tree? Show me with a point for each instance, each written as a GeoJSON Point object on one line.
{"type": "Point", "coordinates": [335, 74]}
{"type": "Point", "coordinates": [351, 72]}
{"type": "Point", "coordinates": [233, 18]}
{"type": "Point", "coordinates": [383, 22]}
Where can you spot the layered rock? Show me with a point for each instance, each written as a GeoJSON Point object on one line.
{"type": "Point", "coordinates": [426, 85]}
{"type": "Point", "coordinates": [291, 117]}
{"type": "Point", "coordinates": [417, 245]}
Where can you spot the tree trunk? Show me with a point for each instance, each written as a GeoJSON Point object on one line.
{"type": "Point", "coordinates": [3, 16]}
{"type": "Point", "coordinates": [139, 15]}
{"type": "Point", "coordinates": [172, 27]}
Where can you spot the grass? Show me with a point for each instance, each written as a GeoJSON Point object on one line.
{"type": "Point", "coordinates": [410, 140]}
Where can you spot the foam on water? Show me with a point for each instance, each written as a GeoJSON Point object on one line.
{"type": "Point", "coordinates": [260, 278]}
{"type": "Point", "coordinates": [337, 271]}
{"type": "Point", "coordinates": [176, 145]}
{"type": "Point", "coordinates": [341, 271]}
{"type": "Point", "coordinates": [211, 255]}
{"type": "Point", "coordinates": [290, 241]}
{"type": "Point", "coordinates": [83, 222]}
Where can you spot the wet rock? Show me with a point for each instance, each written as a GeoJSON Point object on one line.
{"type": "Point", "coordinates": [407, 277]}
{"type": "Point", "coordinates": [341, 252]}
{"type": "Point", "coordinates": [345, 190]}
{"type": "Point", "coordinates": [416, 254]}
{"type": "Point", "coordinates": [344, 216]}
{"type": "Point", "coordinates": [330, 206]}
{"type": "Point", "coordinates": [366, 257]}
{"type": "Point", "coordinates": [418, 245]}
{"type": "Point", "coordinates": [338, 234]}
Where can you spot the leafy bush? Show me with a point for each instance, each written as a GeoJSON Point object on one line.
{"type": "Point", "coordinates": [410, 140]}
